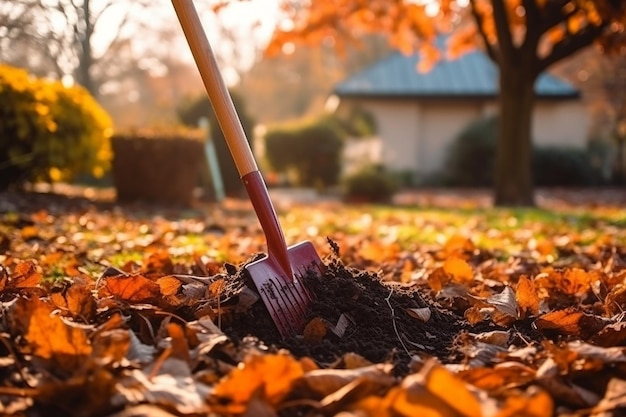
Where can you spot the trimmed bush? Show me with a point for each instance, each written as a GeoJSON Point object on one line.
{"type": "Point", "coordinates": [49, 132]}
{"type": "Point", "coordinates": [471, 160]}
{"type": "Point", "coordinates": [190, 114]}
{"type": "Point", "coordinates": [312, 150]}
{"type": "Point", "coordinates": [370, 184]}
{"type": "Point", "coordinates": [157, 166]}
{"type": "Point", "coordinates": [471, 157]}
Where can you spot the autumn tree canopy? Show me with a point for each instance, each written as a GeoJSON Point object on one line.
{"type": "Point", "coordinates": [522, 37]}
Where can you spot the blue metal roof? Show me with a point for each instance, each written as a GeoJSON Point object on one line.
{"type": "Point", "coordinates": [471, 75]}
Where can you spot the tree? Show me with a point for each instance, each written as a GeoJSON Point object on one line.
{"type": "Point", "coordinates": [522, 37]}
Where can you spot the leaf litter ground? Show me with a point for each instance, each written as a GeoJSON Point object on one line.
{"type": "Point", "coordinates": [126, 311]}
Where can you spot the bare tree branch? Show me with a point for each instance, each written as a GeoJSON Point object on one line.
{"type": "Point", "coordinates": [492, 52]}
{"type": "Point", "coordinates": [569, 45]}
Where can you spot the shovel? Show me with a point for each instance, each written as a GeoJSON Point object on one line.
{"type": "Point", "coordinates": [277, 275]}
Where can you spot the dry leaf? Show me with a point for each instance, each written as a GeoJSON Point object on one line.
{"type": "Point", "coordinates": [63, 347]}
{"type": "Point", "coordinates": [271, 375]}
{"type": "Point", "coordinates": [130, 288]}
{"type": "Point", "coordinates": [314, 331]}
{"type": "Point", "coordinates": [169, 285]}
{"type": "Point", "coordinates": [570, 322]}
{"type": "Point", "coordinates": [533, 403]}
{"type": "Point", "coordinates": [422, 314]}
{"type": "Point", "coordinates": [459, 269]}
{"type": "Point", "coordinates": [436, 392]}
{"type": "Point", "coordinates": [526, 297]}
{"type": "Point", "coordinates": [25, 274]}
{"type": "Point", "coordinates": [326, 381]}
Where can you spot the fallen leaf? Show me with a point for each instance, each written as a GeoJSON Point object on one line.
{"type": "Point", "coordinates": [434, 391]}
{"type": "Point", "coordinates": [533, 403]}
{"type": "Point", "coordinates": [570, 322]}
{"type": "Point", "coordinates": [326, 381]}
{"type": "Point", "coordinates": [62, 347]}
{"type": "Point", "coordinates": [422, 314]}
{"type": "Point", "coordinates": [459, 269]}
{"type": "Point", "coordinates": [130, 288]}
{"type": "Point", "coordinates": [25, 274]}
{"type": "Point", "coordinates": [271, 375]}
{"type": "Point", "coordinates": [526, 297]}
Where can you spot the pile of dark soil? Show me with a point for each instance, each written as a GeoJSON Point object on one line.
{"type": "Point", "coordinates": [379, 326]}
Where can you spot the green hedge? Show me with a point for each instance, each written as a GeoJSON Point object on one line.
{"type": "Point", "coordinates": [471, 160]}
{"type": "Point", "coordinates": [49, 132]}
{"type": "Point", "coordinates": [370, 184]}
{"type": "Point", "coordinates": [312, 150]}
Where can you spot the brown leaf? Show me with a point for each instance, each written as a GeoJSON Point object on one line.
{"type": "Point", "coordinates": [314, 331]}
{"type": "Point", "coordinates": [326, 381]}
{"type": "Point", "coordinates": [77, 299]}
{"type": "Point", "coordinates": [570, 322]}
{"type": "Point", "coordinates": [130, 288]}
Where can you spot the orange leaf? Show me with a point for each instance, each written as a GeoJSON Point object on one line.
{"type": "Point", "coordinates": [314, 331]}
{"type": "Point", "coordinates": [536, 403]}
{"type": "Point", "coordinates": [49, 337]}
{"type": "Point", "coordinates": [473, 315]}
{"type": "Point", "coordinates": [459, 269]}
{"type": "Point", "coordinates": [526, 296]}
{"type": "Point", "coordinates": [169, 285]}
{"type": "Point", "coordinates": [499, 377]}
{"type": "Point", "coordinates": [436, 392]}
{"type": "Point", "coordinates": [26, 274]}
{"type": "Point", "coordinates": [570, 322]}
{"type": "Point", "coordinates": [270, 376]}
{"type": "Point", "coordinates": [77, 299]}
{"type": "Point", "coordinates": [131, 288]}
{"type": "Point", "coordinates": [458, 245]}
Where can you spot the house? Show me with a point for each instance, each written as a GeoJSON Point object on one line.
{"type": "Point", "coordinates": [419, 114]}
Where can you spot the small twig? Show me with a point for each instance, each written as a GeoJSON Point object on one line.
{"type": "Point", "coordinates": [393, 321]}
{"type": "Point", "coordinates": [521, 336]}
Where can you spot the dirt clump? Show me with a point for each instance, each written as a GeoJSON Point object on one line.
{"type": "Point", "coordinates": [377, 323]}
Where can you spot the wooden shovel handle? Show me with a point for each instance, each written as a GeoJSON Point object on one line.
{"type": "Point", "coordinates": [216, 88]}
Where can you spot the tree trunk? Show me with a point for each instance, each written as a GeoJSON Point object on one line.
{"type": "Point", "coordinates": [513, 167]}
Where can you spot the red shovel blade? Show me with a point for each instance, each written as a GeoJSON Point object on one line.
{"type": "Point", "coordinates": [286, 298]}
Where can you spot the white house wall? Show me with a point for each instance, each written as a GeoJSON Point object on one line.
{"type": "Point", "coordinates": [398, 126]}
{"type": "Point", "coordinates": [416, 136]}
{"type": "Point", "coordinates": [560, 124]}
{"type": "Point", "coordinates": [440, 124]}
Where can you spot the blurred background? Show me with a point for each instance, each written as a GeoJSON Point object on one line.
{"type": "Point", "coordinates": [389, 94]}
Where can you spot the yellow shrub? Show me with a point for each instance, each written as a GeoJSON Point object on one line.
{"type": "Point", "coordinates": [49, 132]}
